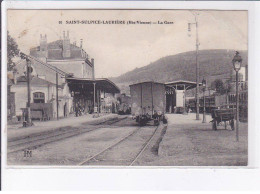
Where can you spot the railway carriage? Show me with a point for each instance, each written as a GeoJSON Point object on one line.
{"type": "Point", "coordinates": [148, 102]}
{"type": "Point", "coordinates": [215, 101]}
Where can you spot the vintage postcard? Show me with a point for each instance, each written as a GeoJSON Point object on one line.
{"type": "Point", "coordinates": [127, 87]}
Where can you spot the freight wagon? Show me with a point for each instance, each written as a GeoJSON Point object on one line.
{"type": "Point", "coordinates": [148, 102]}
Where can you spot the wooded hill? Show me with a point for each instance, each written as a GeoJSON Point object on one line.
{"type": "Point", "coordinates": [213, 64]}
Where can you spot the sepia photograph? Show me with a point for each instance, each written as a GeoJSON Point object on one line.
{"type": "Point", "coordinates": [127, 87]}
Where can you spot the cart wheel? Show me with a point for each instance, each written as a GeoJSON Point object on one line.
{"type": "Point", "coordinates": [214, 125]}
{"type": "Point", "coordinates": [232, 124]}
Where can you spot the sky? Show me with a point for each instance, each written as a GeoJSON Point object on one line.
{"type": "Point", "coordinates": [119, 48]}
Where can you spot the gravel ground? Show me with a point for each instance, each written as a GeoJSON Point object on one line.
{"type": "Point", "coordinates": [188, 142]}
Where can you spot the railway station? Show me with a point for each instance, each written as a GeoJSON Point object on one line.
{"type": "Point", "coordinates": [162, 105]}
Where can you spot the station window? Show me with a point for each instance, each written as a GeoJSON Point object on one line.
{"type": "Point", "coordinates": [38, 97]}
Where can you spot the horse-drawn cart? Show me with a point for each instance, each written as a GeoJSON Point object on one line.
{"type": "Point", "coordinates": [223, 115]}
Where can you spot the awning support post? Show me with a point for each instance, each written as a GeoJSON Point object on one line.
{"type": "Point", "coordinates": [184, 100]}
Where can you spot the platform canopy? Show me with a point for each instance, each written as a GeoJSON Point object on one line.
{"type": "Point", "coordinates": [181, 85]}
{"type": "Point", "coordinates": [76, 84]}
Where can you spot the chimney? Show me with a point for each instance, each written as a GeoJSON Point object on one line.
{"type": "Point", "coordinates": [43, 46]}
{"type": "Point", "coordinates": [93, 69]}
{"type": "Point", "coordinates": [66, 45]}
{"type": "Point", "coordinates": [81, 42]}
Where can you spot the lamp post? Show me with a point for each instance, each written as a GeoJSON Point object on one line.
{"type": "Point", "coordinates": [237, 60]}
{"type": "Point", "coordinates": [204, 108]}
{"type": "Point", "coordinates": [197, 63]}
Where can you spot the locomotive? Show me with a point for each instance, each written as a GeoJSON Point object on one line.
{"type": "Point", "coordinates": [124, 105]}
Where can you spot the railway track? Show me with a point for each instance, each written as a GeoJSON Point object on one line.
{"type": "Point", "coordinates": [37, 140]}
{"type": "Point", "coordinates": [112, 121]}
{"type": "Point", "coordinates": [134, 159]}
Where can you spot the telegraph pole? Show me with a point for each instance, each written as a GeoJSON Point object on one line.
{"type": "Point", "coordinates": [197, 63]}
{"type": "Point", "coordinates": [197, 70]}
{"type": "Point", "coordinates": [29, 69]}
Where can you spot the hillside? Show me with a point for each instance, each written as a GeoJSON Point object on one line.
{"type": "Point", "coordinates": [213, 63]}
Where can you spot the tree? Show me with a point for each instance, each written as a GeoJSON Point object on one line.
{"type": "Point", "coordinates": [219, 86]}
{"type": "Point", "coordinates": [12, 51]}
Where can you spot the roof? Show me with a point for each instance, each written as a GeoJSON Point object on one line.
{"type": "Point", "coordinates": [21, 63]}
{"type": "Point", "coordinates": [146, 82]}
{"type": "Point", "coordinates": [103, 83]}
{"type": "Point", "coordinates": [55, 51]}
{"type": "Point", "coordinates": [36, 81]}
{"type": "Point", "coordinates": [181, 84]}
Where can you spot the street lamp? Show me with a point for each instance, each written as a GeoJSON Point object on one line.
{"type": "Point", "coordinates": [237, 60]}
{"type": "Point", "coordinates": [204, 108]}
{"type": "Point", "coordinates": [197, 63]}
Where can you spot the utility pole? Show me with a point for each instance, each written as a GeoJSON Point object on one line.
{"type": "Point", "coordinates": [197, 70]}
{"type": "Point", "coordinates": [197, 63]}
{"type": "Point", "coordinates": [29, 69]}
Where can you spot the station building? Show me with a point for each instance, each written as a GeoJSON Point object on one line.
{"type": "Point", "coordinates": [65, 66]}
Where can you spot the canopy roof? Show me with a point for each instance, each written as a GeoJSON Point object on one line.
{"type": "Point", "coordinates": [105, 84]}
{"type": "Point", "coordinates": [181, 84]}
{"type": "Point", "coordinates": [146, 82]}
